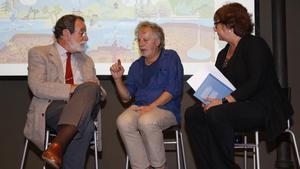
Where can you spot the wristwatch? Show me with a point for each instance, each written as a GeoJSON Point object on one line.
{"type": "Point", "coordinates": [224, 101]}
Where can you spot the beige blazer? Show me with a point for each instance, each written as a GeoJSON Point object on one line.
{"type": "Point", "coordinates": [46, 81]}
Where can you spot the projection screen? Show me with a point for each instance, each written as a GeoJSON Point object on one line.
{"type": "Point", "coordinates": [188, 27]}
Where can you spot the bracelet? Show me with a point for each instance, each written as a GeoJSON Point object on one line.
{"type": "Point", "coordinates": [224, 101]}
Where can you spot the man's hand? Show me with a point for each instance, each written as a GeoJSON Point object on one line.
{"type": "Point", "coordinates": [73, 87]}
{"type": "Point", "coordinates": [117, 70]}
{"type": "Point", "coordinates": [143, 109]}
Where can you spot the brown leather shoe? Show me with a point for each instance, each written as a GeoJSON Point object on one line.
{"type": "Point", "coordinates": [53, 155]}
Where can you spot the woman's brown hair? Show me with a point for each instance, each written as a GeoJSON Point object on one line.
{"type": "Point", "coordinates": [236, 16]}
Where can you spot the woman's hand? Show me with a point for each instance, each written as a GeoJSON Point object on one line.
{"type": "Point", "coordinates": [212, 102]}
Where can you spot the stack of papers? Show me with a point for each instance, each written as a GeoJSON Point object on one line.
{"type": "Point", "coordinates": [210, 82]}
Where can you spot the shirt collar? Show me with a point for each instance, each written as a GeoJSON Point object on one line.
{"type": "Point", "coordinates": [61, 50]}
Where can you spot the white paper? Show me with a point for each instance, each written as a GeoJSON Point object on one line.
{"type": "Point", "coordinates": [204, 69]}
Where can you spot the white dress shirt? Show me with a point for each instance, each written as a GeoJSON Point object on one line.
{"type": "Point", "coordinates": [75, 68]}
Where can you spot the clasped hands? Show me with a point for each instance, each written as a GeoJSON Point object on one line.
{"type": "Point", "coordinates": [143, 109]}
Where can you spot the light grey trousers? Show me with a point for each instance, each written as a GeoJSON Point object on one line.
{"type": "Point", "coordinates": [80, 111]}
{"type": "Point", "coordinates": [142, 136]}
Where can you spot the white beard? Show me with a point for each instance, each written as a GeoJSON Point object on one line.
{"type": "Point", "coordinates": [78, 47]}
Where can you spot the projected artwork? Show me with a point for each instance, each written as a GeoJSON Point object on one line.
{"type": "Point", "coordinates": [110, 23]}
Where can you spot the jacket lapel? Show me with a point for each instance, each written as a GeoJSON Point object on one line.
{"type": "Point", "coordinates": [55, 59]}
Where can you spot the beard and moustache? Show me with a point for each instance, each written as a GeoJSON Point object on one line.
{"type": "Point", "coordinates": [78, 46]}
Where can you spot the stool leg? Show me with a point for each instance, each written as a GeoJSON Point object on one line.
{"type": "Point", "coordinates": [46, 144]}
{"type": "Point", "coordinates": [96, 149]}
{"type": "Point", "coordinates": [47, 139]}
{"type": "Point", "coordinates": [182, 148]}
{"type": "Point", "coordinates": [295, 145]}
{"type": "Point", "coordinates": [178, 150]}
{"type": "Point", "coordinates": [245, 152]}
{"type": "Point", "coordinates": [24, 153]}
{"type": "Point", "coordinates": [127, 162]}
{"type": "Point", "coordinates": [254, 158]}
{"type": "Point", "coordinates": [257, 149]}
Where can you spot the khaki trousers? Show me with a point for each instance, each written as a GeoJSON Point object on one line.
{"type": "Point", "coordinates": [142, 136]}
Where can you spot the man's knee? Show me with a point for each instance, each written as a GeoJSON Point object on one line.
{"type": "Point", "coordinates": [124, 122]}
{"type": "Point", "coordinates": [146, 123]}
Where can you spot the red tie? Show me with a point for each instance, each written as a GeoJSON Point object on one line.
{"type": "Point", "coordinates": [69, 74]}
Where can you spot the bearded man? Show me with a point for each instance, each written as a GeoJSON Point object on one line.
{"type": "Point", "coordinates": [66, 95]}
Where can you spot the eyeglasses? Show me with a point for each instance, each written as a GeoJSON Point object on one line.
{"type": "Point", "coordinates": [83, 33]}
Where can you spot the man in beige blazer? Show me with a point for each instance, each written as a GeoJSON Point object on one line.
{"type": "Point", "coordinates": [68, 108]}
